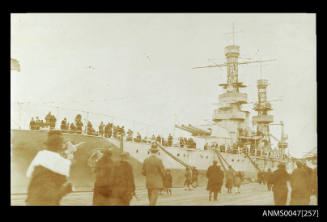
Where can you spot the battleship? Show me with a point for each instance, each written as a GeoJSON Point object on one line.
{"type": "Point", "coordinates": [229, 138]}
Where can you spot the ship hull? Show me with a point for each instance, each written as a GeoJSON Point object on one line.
{"type": "Point", "coordinates": [25, 145]}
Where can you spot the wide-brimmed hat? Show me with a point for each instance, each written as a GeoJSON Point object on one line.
{"type": "Point", "coordinates": [154, 147]}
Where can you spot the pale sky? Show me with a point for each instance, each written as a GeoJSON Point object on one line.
{"type": "Point", "coordinates": [137, 68]}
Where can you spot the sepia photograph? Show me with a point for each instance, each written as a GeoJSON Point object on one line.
{"type": "Point", "coordinates": [163, 109]}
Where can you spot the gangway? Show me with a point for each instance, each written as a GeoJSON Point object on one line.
{"type": "Point", "coordinates": [252, 161]}
{"type": "Point", "coordinates": [172, 156]}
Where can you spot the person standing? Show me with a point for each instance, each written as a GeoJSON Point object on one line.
{"type": "Point", "coordinates": [48, 119]}
{"type": "Point", "coordinates": [154, 172]}
{"type": "Point", "coordinates": [215, 180]}
{"type": "Point", "coordinates": [101, 128]}
{"type": "Point", "coordinates": [123, 182]}
{"type": "Point", "coordinates": [279, 180]}
{"type": "Point", "coordinates": [259, 176]}
{"type": "Point", "coordinates": [63, 125]}
{"type": "Point", "coordinates": [300, 181]}
{"type": "Point", "coordinates": [268, 179]}
{"type": "Point", "coordinates": [102, 192]}
{"type": "Point", "coordinates": [229, 179]}
{"type": "Point", "coordinates": [188, 178]}
{"type": "Point", "coordinates": [195, 174]}
{"type": "Point", "coordinates": [237, 180]}
{"type": "Point", "coordinates": [48, 173]}
{"type": "Point", "coordinates": [168, 183]}
{"type": "Point", "coordinates": [32, 124]}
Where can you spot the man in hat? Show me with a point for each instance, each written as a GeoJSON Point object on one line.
{"type": "Point", "coordinates": [123, 184]}
{"type": "Point", "coordinates": [154, 171]}
{"type": "Point", "coordinates": [301, 185]}
{"type": "Point", "coordinates": [215, 180]}
{"type": "Point", "coordinates": [103, 186]}
{"type": "Point", "coordinates": [279, 180]}
{"type": "Point", "coordinates": [32, 124]}
{"type": "Point", "coordinates": [48, 173]}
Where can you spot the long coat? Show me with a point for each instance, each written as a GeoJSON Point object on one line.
{"type": "Point", "coordinates": [237, 179]}
{"type": "Point", "coordinates": [123, 184]}
{"type": "Point", "coordinates": [48, 173]}
{"type": "Point", "coordinates": [229, 178]}
{"type": "Point", "coordinates": [279, 180]}
{"type": "Point", "coordinates": [154, 171]}
{"type": "Point", "coordinates": [102, 192]}
{"type": "Point", "coordinates": [215, 178]}
{"type": "Point", "coordinates": [168, 182]}
{"type": "Point", "coordinates": [46, 188]}
{"type": "Point", "coordinates": [301, 186]}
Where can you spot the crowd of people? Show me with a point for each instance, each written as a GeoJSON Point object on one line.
{"type": "Point", "coordinates": [37, 124]}
{"type": "Point", "coordinates": [303, 183]}
{"type": "Point", "coordinates": [191, 178]}
{"type": "Point", "coordinates": [49, 174]}
{"type": "Point", "coordinates": [107, 130]}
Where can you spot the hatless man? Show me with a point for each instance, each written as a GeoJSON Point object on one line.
{"type": "Point", "coordinates": [154, 171]}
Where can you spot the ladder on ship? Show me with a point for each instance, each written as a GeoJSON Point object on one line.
{"type": "Point", "coordinates": [223, 161]}
{"type": "Point", "coordinates": [252, 161]}
{"type": "Point", "coordinates": [172, 156]}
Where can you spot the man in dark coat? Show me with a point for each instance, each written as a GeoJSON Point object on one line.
{"type": "Point", "coordinates": [260, 177]}
{"type": "Point", "coordinates": [32, 124]}
{"type": "Point", "coordinates": [188, 179]}
{"type": "Point", "coordinates": [53, 121]}
{"type": "Point", "coordinates": [229, 179]}
{"type": "Point", "coordinates": [102, 193]}
{"type": "Point", "coordinates": [48, 173]}
{"type": "Point", "coordinates": [168, 182]}
{"type": "Point", "coordinates": [215, 180]}
{"type": "Point", "coordinates": [101, 127]}
{"type": "Point", "coordinates": [301, 185]}
{"type": "Point", "coordinates": [48, 119]}
{"type": "Point", "coordinates": [268, 179]}
{"type": "Point", "coordinates": [123, 184]}
{"type": "Point", "coordinates": [154, 171]}
{"type": "Point", "coordinates": [279, 180]}
{"type": "Point", "coordinates": [195, 174]}
{"type": "Point", "coordinates": [63, 125]}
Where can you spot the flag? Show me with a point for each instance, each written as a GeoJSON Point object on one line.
{"type": "Point", "coordinates": [14, 65]}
